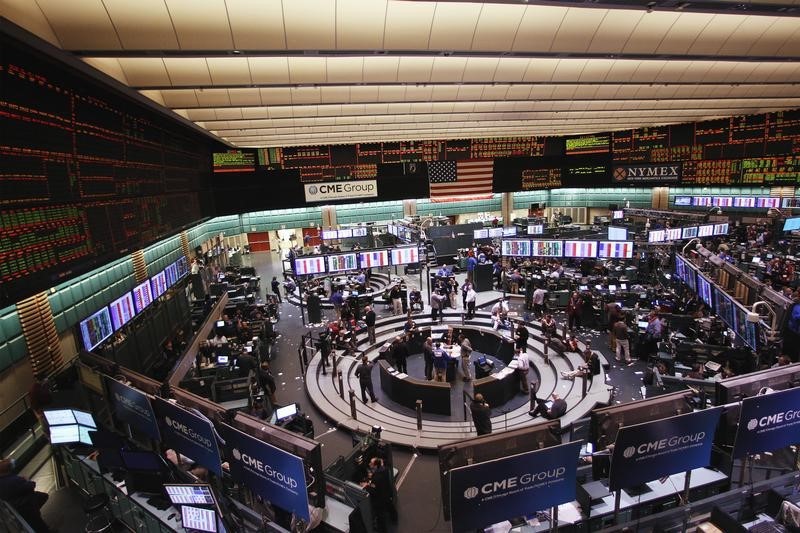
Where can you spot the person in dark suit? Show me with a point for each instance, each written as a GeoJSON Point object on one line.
{"type": "Point", "coordinates": [556, 410]}
{"type": "Point", "coordinates": [369, 319]}
{"type": "Point", "coordinates": [364, 375]}
{"type": "Point", "coordinates": [481, 415]}
{"type": "Point", "coordinates": [276, 288]}
{"type": "Point", "coordinates": [379, 488]}
{"type": "Point", "coordinates": [22, 495]}
{"type": "Point", "coordinates": [401, 355]}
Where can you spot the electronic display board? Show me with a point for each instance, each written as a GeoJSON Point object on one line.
{"type": "Point", "coordinates": [690, 277]}
{"type": "Point", "coordinates": [617, 234]}
{"type": "Point", "coordinates": [683, 200]}
{"type": "Point", "coordinates": [234, 161]}
{"type": "Point", "coordinates": [744, 329]}
{"type": "Point", "coordinates": [722, 201]}
{"type": "Point", "coordinates": [480, 234]}
{"type": "Point", "coordinates": [122, 310]}
{"type": "Point", "coordinates": [790, 202]}
{"type": "Point", "coordinates": [345, 233]}
{"type": "Point", "coordinates": [373, 258]}
{"type": "Point", "coordinates": [701, 201]}
{"type": "Point", "coordinates": [704, 290]}
{"type": "Point", "coordinates": [392, 229]}
{"type": "Point", "coordinates": [721, 229]}
{"type": "Point", "coordinates": [309, 265]}
{"type": "Point", "coordinates": [791, 224]}
{"type": "Point", "coordinates": [547, 248]}
{"type": "Point", "coordinates": [680, 267]}
{"type": "Point", "coordinates": [96, 329]}
{"type": "Point", "coordinates": [724, 307]}
{"type": "Point", "coordinates": [496, 233]}
{"type": "Point", "coordinates": [329, 234]}
{"type": "Point", "coordinates": [182, 266]}
{"type": "Point", "coordinates": [658, 235]}
{"type": "Point", "coordinates": [340, 262]}
{"type": "Point", "coordinates": [767, 203]}
{"type": "Point", "coordinates": [744, 201]}
{"type": "Point", "coordinates": [158, 284]}
{"type": "Point", "coordinates": [690, 232]}
{"type": "Point", "coordinates": [510, 231]}
{"type": "Point", "coordinates": [705, 230]}
{"type": "Point", "coordinates": [516, 248]}
{"type": "Point", "coordinates": [142, 296]}
{"type": "Point", "coordinates": [359, 232]}
{"type": "Point", "coordinates": [673, 234]}
{"type": "Point", "coordinates": [778, 170]}
{"type": "Point", "coordinates": [171, 273]}
{"type": "Point", "coordinates": [404, 256]}
{"type": "Point", "coordinates": [615, 250]}
{"type": "Point", "coordinates": [589, 144]}
{"type": "Point", "coordinates": [536, 229]}
{"type": "Point", "coordinates": [580, 248]}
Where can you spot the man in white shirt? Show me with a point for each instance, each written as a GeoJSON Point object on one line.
{"type": "Point", "coordinates": [470, 299]}
{"type": "Point", "coordinates": [523, 364]}
{"type": "Point", "coordinates": [538, 301]}
{"type": "Point", "coordinates": [500, 308]}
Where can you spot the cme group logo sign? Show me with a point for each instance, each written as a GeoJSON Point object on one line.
{"type": "Point", "coordinates": [471, 492]}
{"type": "Point", "coordinates": [629, 452]}
{"type": "Point", "coordinates": [774, 421]}
{"type": "Point", "coordinates": [188, 432]}
{"type": "Point", "coordinates": [312, 189]}
{"type": "Point", "coordinates": [237, 454]}
{"type": "Point", "coordinates": [339, 190]}
{"type": "Point", "coordinates": [752, 424]}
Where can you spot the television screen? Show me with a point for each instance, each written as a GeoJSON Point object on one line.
{"type": "Point", "coordinates": [536, 229]}
{"type": "Point", "coordinates": [690, 232]}
{"type": "Point", "coordinates": [375, 258]}
{"type": "Point", "coordinates": [480, 234]}
{"type": "Point", "coordinates": [690, 278]}
{"type": "Point", "coordinates": [701, 201]}
{"type": "Point", "coordinates": [309, 265]}
{"type": "Point", "coordinates": [60, 417]}
{"type": "Point", "coordinates": [122, 310]}
{"type": "Point", "coordinates": [345, 233]}
{"type": "Point", "coordinates": [198, 519]}
{"type": "Point", "coordinates": [724, 307]}
{"type": "Point", "coordinates": [618, 215]}
{"type": "Point", "coordinates": [142, 296]}
{"type": "Point", "coordinates": [791, 224]}
{"type": "Point", "coordinates": [96, 328]}
{"type": "Point", "coordinates": [171, 273]}
{"type": "Point", "coordinates": [704, 290]}
{"type": "Point", "coordinates": [510, 231]}
{"type": "Point", "coordinates": [615, 250]}
{"type": "Point", "coordinates": [680, 267]}
{"type": "Point", "coordinates": [617, 234]}
{"type": "Point", "coordinates": [658, 235]}
{"type": "Point", "coordinates": [64, 434]}
{"type": "Point", "coordinates": [683, 200]}
{"type": "Point", "coordinates": [744, 201]}
{"type": "Point", "coordinates": [705, 231]}
{"type": "Point", "coordinates": [673, 234]}
{"type": "Point", "coordinates": [85, 419]}
{"type": "Point", "coordinates": [83, 435]}
{"type": "Point", "coordinates": [722, 201]}
{"type": "Point", "coordinates": [547, 248]}
{"type": "Point", "coordinates": [340, 262]}
{"type": "Point", "coordinates": [516, 248]}
{"type": "Point", "coordinates": [404, 256]}
{"type": "Point", "coordinates": [329, 234]}
{"type": "Point", "coordinates": [496, 233]}
{"type": "Point", "coordinates": [359, 232]}
{"type": "Point", "coordinates": [159, 284]}
{"type": "Point", "coordinates": [189, 494]}
{"type": "Point", "coordinates": [580, 248]}
{"type": "Point", "coordinates": [721, 229]}
{"type": "Point", "coordinates": [767, 203]}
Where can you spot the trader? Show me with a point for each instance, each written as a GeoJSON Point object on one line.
{"type": "Point", "coordinates": [620, 335]}
{"type": "Point", "coordinates": [481, 415]}
{"type": "Point", "coordinates": [276, 286]}
{"type": "Point", "coordinates": [558, 407]}
{"type": "Point", "coordinates": [400, 355]}
{"type": "Point", "coordinates": [364, 375]}
{"type": "Point", "coordinates": [22, 495]}
{"type": "Point", "coordinates": [427, 354]}
{"type": "Point", "coordinates": [466, 351]}
{"type": "Point", "coordinates": [369, 319]}
{"type": "Point", "coordinates": [523, 364]}
{"type": "Point", "coordinates": [396, 295]}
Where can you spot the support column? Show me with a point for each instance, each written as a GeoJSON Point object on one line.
{"type": "Point", "coordinates": [660, 198]}
{"type": "Point", "coordinates": [139, 266]}
{"type": "Point", "coordinates": [506, 207]}
{"type": "Point", "coordinates": [185, 245]}
{"type": "Point", "coordinates": [328, 216]}
{"type": "Point", "coordinates": [39, 330]}
{"type": "Point", "coordinates": [409, 208]}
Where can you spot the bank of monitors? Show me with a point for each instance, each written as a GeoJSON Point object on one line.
{"type": "Point", "coordinates": [359, 232]}
{"type": "Point", "coordinates": [182, 265]}
{"type": "Point", "coordinates": [704, 291]}
{"type": "Point", "coordinates": [791, 224]}
{"type": "Point", "coordinates": [615, 250]}
{"type": "Point", "coordinates": [404, 256]}
{"type": "Point", "coordinates": [536, 229]}
{"type": "Point", "coordinates": [392, 229]}
{"type": "Point", "coordinates": [142, 296]}
{"type": "Point", "coordinates": [739, 387]}
{"type": "Point", "coordinates": [580, 249]}
{"type": "Point", "coordinates": [179, 494]}
{"type": "Point", "coordinates": [706, 230]}
{"type": "Point", "coordinates": [122, 310]}
{"type": "Point", "coordinates": [69, 426]}
{"type": "Point", "coordinates": [374, 258]}
{"type": "Point", "coordinates": [96, 329]}
{"type": "Point", "coordinates": [673, 234]}
{"type": "Point", "coordinates": [547, 248]}
{"type": "Point", "coordinates": [721, 229]}
{"type": "Point", "coordinates": [345, 233]}
{"type": "Point", "coordinates": [341, 262]}
{"type": "Point", "coordinates": [516, 248]}
{"type": "Point", "coordinates": [510, 231]}
{"type": "Point", "coordinates": [309, 265]}
{"type": "Point", "coordinates": [690, 232]}
{"type": "Point", "coordinates": [171, 272]}
{"type": "Point", "coordinates": [683, 201]}
{"type": "Point", "coordinates": [617, 234]}
{"type": "Point", "coordinates": [657, 236]}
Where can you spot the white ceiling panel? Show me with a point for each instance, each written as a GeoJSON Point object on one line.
{"type": "Point", "coordinates": [244, 97]}
{"type": "Point", "coordinates": [80, 25]}
{"type": "Point", "coordinates": [335, 94]}
{"type": "Point", "coordinates": [144, 72]}
{"type": "Point", "coordinates": [614, 30]}
{"type": "Point", "coordinates": [306, 95]}
{"type": "Point", "coordinates": [480, 69]}
{"type": "Point", "coordinates": [276, 95]}
{"type": "Point", "coordinates": [448, 69]}
{"type": "Point", "coordinates": [142, 25]}
{"type": "Point", "coordinates": [269, 70]}
{"type": "Point", "coordinates": [360, 25]}
{"type": "Point", "coordinates": [310, 24]}
{"type": "Point", "coordinates": [649, 32]}
{"type": "Point", "coordinates": [569, 69]}
{"type": "Point", "coordinates": [454, 25]}
{"type": "Point", "coordinates": [749, 31]}
{"type": "Point", "coordinates": [577, 29]}
{"type": "Point", "coordinates": [201, 24]}
{"type": "Point", "coordinates": [684, 33]}
{"type": "Point", "coordinates": [155, 96]}
{"type": "Point", "coordinates": [415, 69]}
{"type": "Point", "coordinates": [213, 97]}
{"type": "Point", "coordinates": [345, 69]}
{"type": "Point", "coordinates": [256, 24]}
{"type": "Point", "coordinates": [540, 69]}
{"type": "Point", "coordinates": [776, 37]}
{"type": "Point", "coordinates": [229, 70]}
{"type": "Point", "coordinates": [380, 69]}
{"type": "Point", "coordinates": [28, 15]}
{"type": "Point", "coordinates": [408, 25]}
{"type": "Point", "coordinates": [184, 71]}
{"type": "Point", "coordinates": [538, 28]}
{"type": "Point", "coordinates": [180, 98]}
{"type": "Point", "coordinates": [716, 33]}
{"type": "Point", "coordinates": [497, 27]}
{"type": "Point", "coordinates": [307, 70]}
{"type": "Point", "coordinates": [110, 66]}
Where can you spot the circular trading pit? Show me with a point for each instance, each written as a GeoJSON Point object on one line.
{"type": "Point", "coordinates": [398, 419]}
{"type": "Point", "coordinates": [376, 285]}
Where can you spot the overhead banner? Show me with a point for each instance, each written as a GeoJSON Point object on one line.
{"type": "Point", "coordinates": [648, 451]}
{"type": "Point", "coordinates": [768, 422]}
{"type": "Point", "coordinates": [340, 190]}
{"type": "Point", "coordinates": [276, 475]}
{"type": "Point", "coordinates": [646, 173]}
{"type": "Point", "coordinates": [493, 491]}
{"type": "Point", "coordinates": [133, 407]}
{"type": "Point", "coordinates": [188, 434]}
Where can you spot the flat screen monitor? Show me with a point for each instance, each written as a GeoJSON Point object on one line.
{"type": "Point", "coordinates": [309, 265]}
{"type": "Point", "coordinates": [680, 267]}
{"type": "Point", "coordinates": [701, 201]}
{"type": "Point", "coordinates": [85, 419]}
{"type": "Point", "coordinates": [480, 234]}
{"type": "Point", "coordinates": [704, 290]}
{"type": "Point", "coordinates": [142, 296]}
{"type": "Point", "coordinates": [673, 234]}
{"type": "Point", "coordinates": [767, 203]}
{"type": "Point", "coordinates": [516, 248]}
{"type": "Point", "coordinates": [340, 262]}
{"type": "Point", "coordinates": [584, 288]}
{"type": "Point", "coordinates": [391, 229]}
{"type": "Point", "coordinates": [60, 417]}
{"type": "Point", "coordinates": [159, 284]}
{"type": "Point", "coordinates": [496, 233]}
{"type": "Point", "coordinates": [791, 224]}
{"type": "Point", "coordinates": [705, 231]}
{"type": "Point", "coordinates": [345, 233]}
{"type": "Point", "coordinates": [690, 232]}
{"type": "Point", "coordinates": [96, 329]}
{"type": "Point", "coordinates": [404, 256]}
{"type": "Point", "coordinates": [618, 214]}
{"type": "Point", "coordinates": [223, 359]}
{"type": "Point", "coordinates": [683, 200]}
{"type": "Point", "coordinates": [198, 519]}
{"type": "Point", "coordinates": [282, 413]}
{"type": "Point", "coordinates": [329, 234]}
{"type": "Point", "coordinates": [617, 234]}
{"type": "Point", "coordinates": [690, 278]}
{"type": "Point", "coordinates": [612, 288]}
{"type": "Point", "coordinates": [756, 259]}
{"type": "Point", "coordinates": [106, 439]}
{"type": "Point", "coordinates": [189, 494]}
{"type": "Point", "coordinates": [64, 434]}
{"type": "Point", "coordinates": [143, 461]}
{"type": "Point", "coordinates": [547, 248]}
{"type": "Point", "coordinates": [658, 235]}
{"type": "Point", "coordinates": [83, 435]}
{"type": "Point", "coordinates": [615, 250]}
{"type": "Point", "coordinates": [721, 229]}
{"type": "Point", "coordinates": [722, 201]}
{"type": "Point", "coordinates": [724, 307]}
{"type": "Point", "coordinates": [374, 258]}
{"type": "Point", "coordinates": [510, 231]}
{"type": "Point", "coordinates": [172, 274]}
{"type": "Point", "coordinates": [580, 249]}
{"type": "Point", "coordinates": [623, 286]}
{"type": "Point", "coordinates": [536, 229]}
{"type": "Point", "coordinates": [182, 264]}
{"type": "Point", "coordinates": [744, 201]}
{"type": "Point", "coordinates": [220, 324]}
{"type": "Point", "coordinates": [359, 232]}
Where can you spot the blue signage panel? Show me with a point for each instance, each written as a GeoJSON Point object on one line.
{"type": "Point", "coordinates": [648, 451]}
{"type": "Point", "coordinates": [493, 491]}
{"type": "Point", "coordinates": [133, 407]}
{"type": "Point", "coordinates": [189, 434]}
{"type": "Point", "coordinates": [277, 476]}
{"type": "Point", "coordinates": [768, 422]}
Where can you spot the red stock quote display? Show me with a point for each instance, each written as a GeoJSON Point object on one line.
{"type": "Point", "coordinates": [86, 175]}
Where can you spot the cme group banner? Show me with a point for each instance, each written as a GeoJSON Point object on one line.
{"type": "Point", "coordinates": [276, 475]}
{"type": "Point", "coordinates": [648, 451]}
{"type": "Point", "coordinates": [768, 422]}
{"type": "Point", "coordinates": [133, 407]}
{"type": "Point", "coordinates": [340, 190]}
{"type": "Point", "coordinates": [490, 492]}
{"type": "Point", "coordinates": [188, 434]}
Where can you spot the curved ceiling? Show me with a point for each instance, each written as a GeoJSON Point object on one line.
{"type": "Point", "coordinates": [260, 73]}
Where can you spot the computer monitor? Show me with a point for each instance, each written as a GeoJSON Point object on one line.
{"type": "Point", "coordinates": [617, 234]}
{"type": "Point", "coordinates": [287, 411]}
{"type": "Point", "coordinates": [198, 519]}
{"type": "Point", "coordinates": [189, 494]}
{"type": "Point", "coordinates": [223, 359]}
{"type": "Point", "coordinates": [83, 435]}
{"type": "Point", "coordinates": [60, 417]}
{"type": "Point", "coordinates": [623, 286]}
{"type": "Point", "coordinates": [220, 323]}
{"type": "Point", "coordinates": [85, 419]}
{"type": "Point", "coordinates": [756, 259]}
{"type": "Point", "coordinates": [106, 439]}
{"type": "Point", "coordinates": [612, 288]}
{"type": "Point", "coordinates": [64, 434]}
{"type": "Point", "coordinates": [584, 287]}
{"type": "Point", "coordinates": [143, 461]}
{"type": "Point", "coordinates": [248, 349]}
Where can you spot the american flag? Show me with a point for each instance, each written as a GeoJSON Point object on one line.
{"type": "Point", "coordinates": [616, 249]}
{"type": "Point", "coordinates": [449, 179]}
{"type": "Point", "coordinates": [580, 249]}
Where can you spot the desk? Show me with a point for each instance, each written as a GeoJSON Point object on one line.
{"type": "Point", "coordinates": [405, 390]}
{"type": "Point", "coordinates": [498, 388]}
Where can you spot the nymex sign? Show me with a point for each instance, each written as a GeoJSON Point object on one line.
{"type": "Point", "coordinates": [666, 173]}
